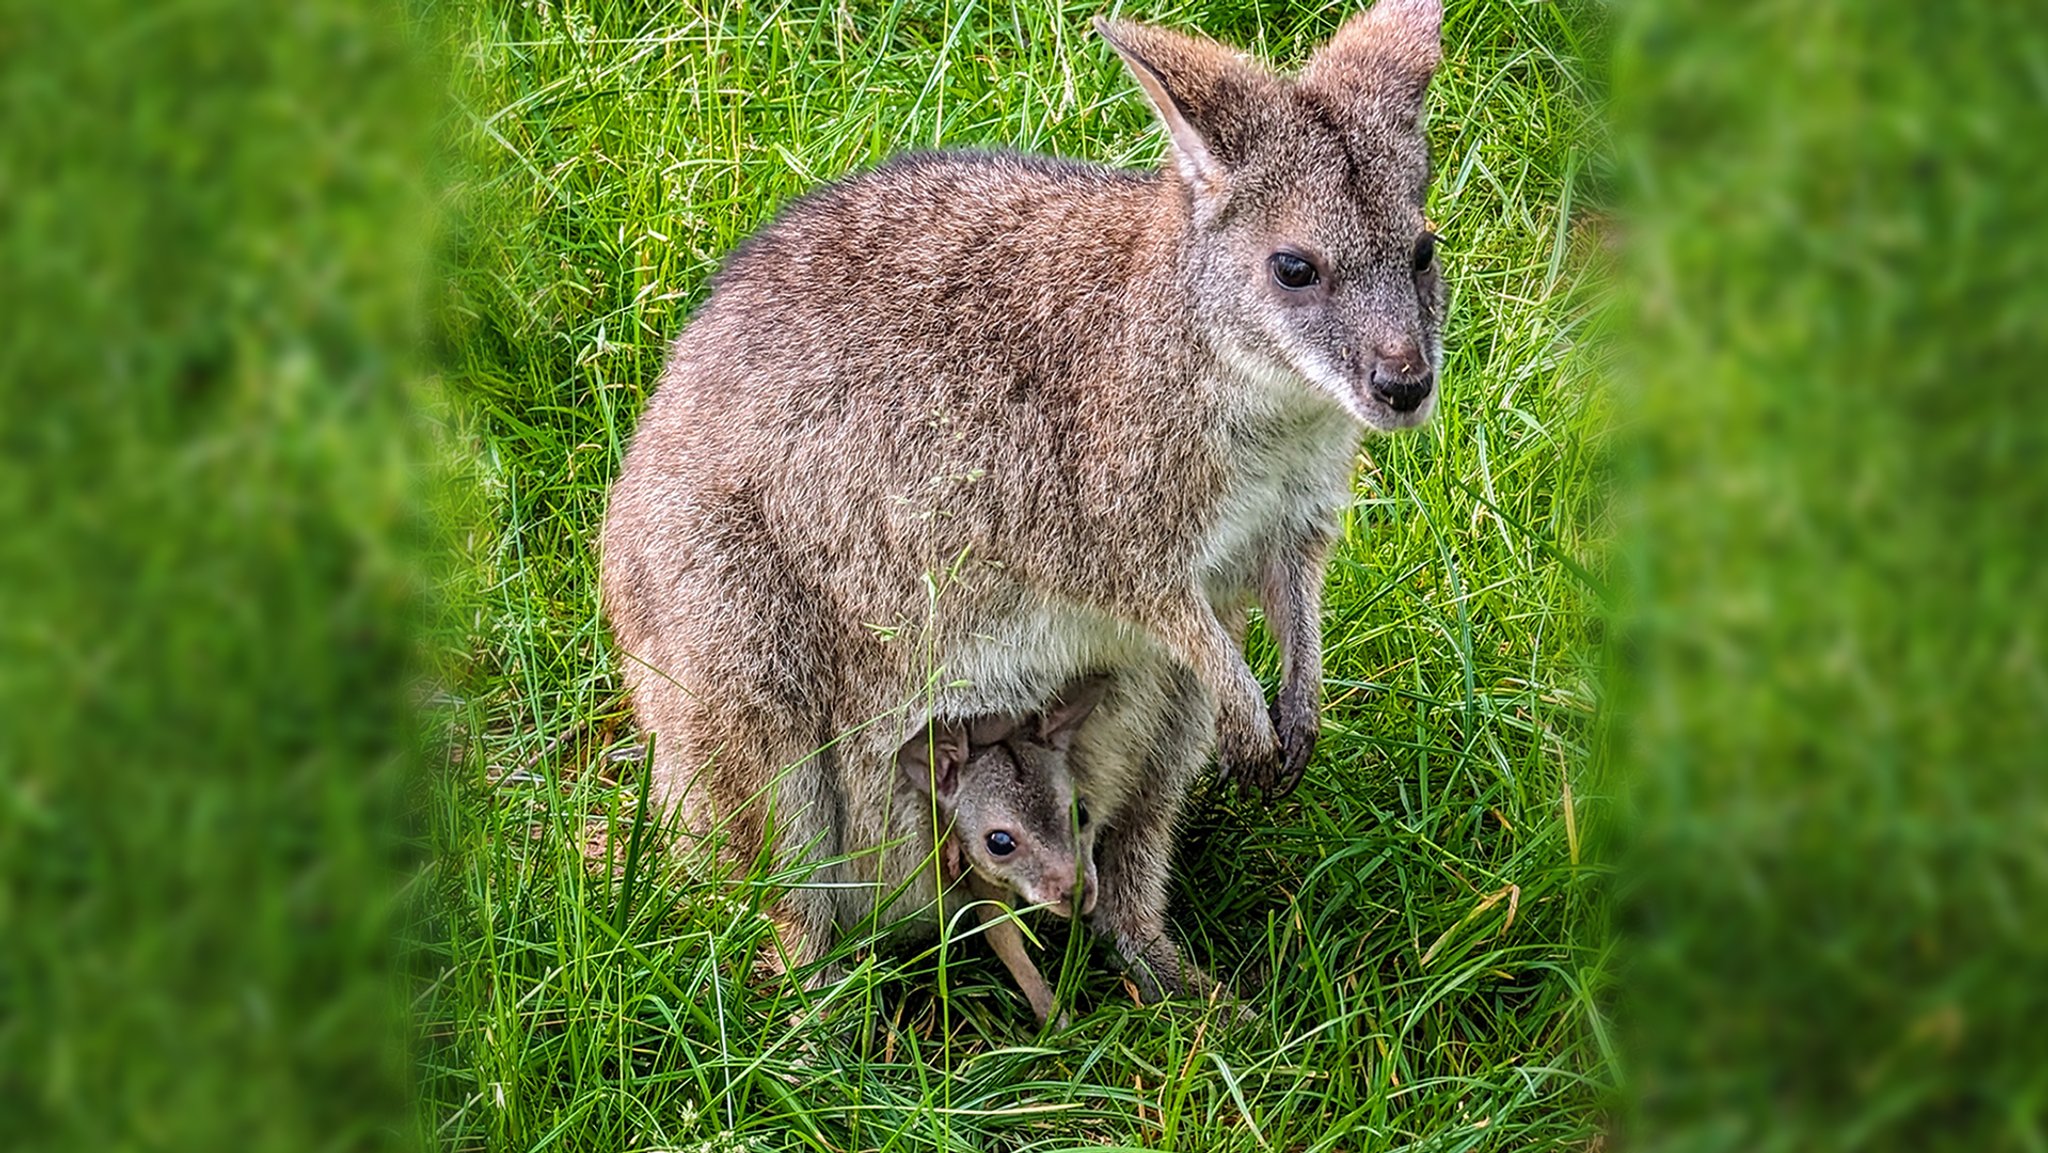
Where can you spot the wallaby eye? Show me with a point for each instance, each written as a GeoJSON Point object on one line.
{"type": "Point", "coordinates": [1293, 272]}
{"type": "Point", "coordinates": [1001, 843]}
{"type": "Point", "coordinates": [1081, 812]}
{"type": "Point", "coordinates": [1425, 250]}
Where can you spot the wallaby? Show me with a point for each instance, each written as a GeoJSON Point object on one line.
{"type": "Point", "coordinates": [953, 431]}
{"type": "Point", "coordinates": [1009, 822]}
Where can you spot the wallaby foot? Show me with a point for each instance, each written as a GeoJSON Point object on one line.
{"type": "Point", "coordinates": [1159, 972]}
{"type": "Point", "coordinates": [1298, 723]}
{"type": "Point", "coordinates": [1157, 969]}
{"type": "Point", "coordinates": [797, 946]}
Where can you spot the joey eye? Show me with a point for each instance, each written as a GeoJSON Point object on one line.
{"type": "Point", "coordinates": [1293, 272]}
{"type": "Point", "coordinates": [1425, 250]}
{"type": "Point", "coordinates": [1081, 812]}
{"type": "Point", "coordinates": [1001, 843]}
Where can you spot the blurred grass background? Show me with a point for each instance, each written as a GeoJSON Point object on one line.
{"type": "Point", "coordinates": [1797, 523]}
{"type": "Point", "coordinates": [206, 216]}
{"type": "Point", "coordinates": [1838, 307]}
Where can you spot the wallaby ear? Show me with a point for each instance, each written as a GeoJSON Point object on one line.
{"type": "Point", "coordinates": [1379, 63]}
{"type": "Point", "coordinates": [1209, 96]}
{"type": "Point", "coordinates": [931, 760]}
{"type": "Point", "coordinates": [1058, 723]}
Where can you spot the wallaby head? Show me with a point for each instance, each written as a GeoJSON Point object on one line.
{"type": "Point", "coordinates": [1307, 255]}
{"type": "Point", "coordinates": [1004, 787]}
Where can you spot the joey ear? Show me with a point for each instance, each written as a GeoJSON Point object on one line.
{"type": "Point", "coordinates": [991, 730]}
{"type": "Point", "coordinates": [1379, 63]}
{"type": "Point", "coordinates": [931, 760]}
{"type": "Point", "coordinates": [1057, 724]}
{"type": "Point", "coordinates": [1209, 97]}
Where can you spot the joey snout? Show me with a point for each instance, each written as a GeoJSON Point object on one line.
{"type": "Point", "coordinates": [1060, 896]}
{"type": "Point", "coordinates": [1083, 902]}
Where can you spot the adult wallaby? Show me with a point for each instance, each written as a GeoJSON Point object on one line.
{"type": "Point", "coordinates": [1009, 822]}
{"type": "Point", "coordinates": [951, 432]}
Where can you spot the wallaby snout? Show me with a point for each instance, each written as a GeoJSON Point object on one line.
{"type": "Point", "coordinates": [1401, 376]}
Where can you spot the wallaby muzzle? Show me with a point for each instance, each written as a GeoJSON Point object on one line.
{"type": "Point", "coordinates": [1402, 395]}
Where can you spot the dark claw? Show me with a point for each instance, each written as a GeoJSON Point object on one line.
{"type": "Point", "coordinates": [1297, 746]}
{"type": "Point", "coordinates": [1258, 776]}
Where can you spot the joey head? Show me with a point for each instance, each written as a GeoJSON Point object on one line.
{"type": "Point", "coordinates": [1009, 822]}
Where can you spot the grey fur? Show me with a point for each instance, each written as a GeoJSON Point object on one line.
{"type": "Point", "coordinates": [951, 432]}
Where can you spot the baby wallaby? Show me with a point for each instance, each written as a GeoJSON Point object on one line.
{"type": "Point", "coordinates": [1009, 822]}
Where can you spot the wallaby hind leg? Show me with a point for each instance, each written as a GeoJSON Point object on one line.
{"type": "Point", "coordinates": [803, 933]}
{"type": "Point", "coordinates": [742, 764]}
{"type": "Point", "coordinates": [798, 811]}
{"type": "Point", "coordinates": [1134, 856]}
{"type": "Point", "coordinates": [803, 918]}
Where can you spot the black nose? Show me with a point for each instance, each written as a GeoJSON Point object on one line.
{"type": "Point", "coordinates": [1402, 395]}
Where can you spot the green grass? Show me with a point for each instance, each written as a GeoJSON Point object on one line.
{"type": "Point", "coordinates": [1831, 718]}
{"type": "Point", "coordinates": [203, 626]}
{"type": "Point", "coordinates": [1421, 929]}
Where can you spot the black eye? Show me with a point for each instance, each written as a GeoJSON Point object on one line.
{"type": "Point", "coordinates": [1001, 843]}
{"type": "Point", "coordinates": [1293, 272]}
{"type": "Point", "coordinates": [1081, 811]}
{"type": "Point", "coordinates": [1425, 250]}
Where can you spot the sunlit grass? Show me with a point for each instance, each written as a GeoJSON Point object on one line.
{"type": "Point", "coordinates": [1419, 929]}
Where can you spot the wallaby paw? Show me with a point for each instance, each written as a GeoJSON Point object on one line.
{"type": "Point", "coordinates": [1265, 775]}
{"type": "Point", "coordinates": [1298, 728]}
{"type": "Point", "coordinates": [1252, 759]}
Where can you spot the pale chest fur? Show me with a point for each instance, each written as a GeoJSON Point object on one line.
{"type": "Point", "coordinates": [1288, 459]}
{"type": "Point", "coordinates": [1012, 665]}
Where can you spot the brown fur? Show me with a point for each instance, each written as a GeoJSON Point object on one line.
{"type": "Point", "coordinates": [954, 431]}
